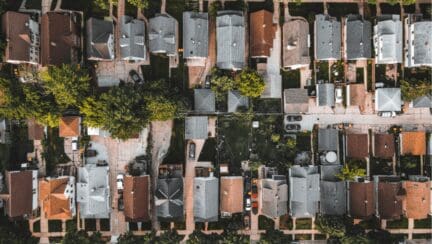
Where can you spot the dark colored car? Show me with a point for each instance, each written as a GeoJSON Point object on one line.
{"type": "Point", "coordinates": [255, 207]}
{"type": "Point", "coordinates": [90, 153]}
{"type": "Point", "coordinates": [292, 127]}
{"type": "Point", "coordinates": [120, 203]}
{"type": "Point", "coordinates": [294, 118]}
{"type": "Point", "coordinates": [248, 187]}
{"type": "Point", "coordinates": [135, 76]}
{"type": "Point", "coordinates": [254, 189]}
{"type": "Point", "coordinates": [246, 222]}
{"type": "Point", "coordinates": [192, 147]}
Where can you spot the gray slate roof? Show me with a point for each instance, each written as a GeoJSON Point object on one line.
{"type": "Point", "coordinates": [304, 191]}
{"type": "Point", "coordinates": [275, 197]}
{"type": "Point", "coordinates": [295, 43]}
{"type": "Point", "coordinates": [206, 202]}
{"type": "Point", "coordinates": [204, 100]}
{"type": "Point", "coordinates": [388, 39]}
{"type": "Point", "coordinates": [423, 102]}
{"type": "Point", "coordinates": [420, 51]}
{"type": "Point", "coordinates": [100, 39]}
{"type": "Point", "coordinates": [163, 34]}
{"type": "Point", "coordinates": [132, 39]}
{"type": "Point", "coordinates": [230, 38]}
{"type": "Point", "coordinates": [388, 99]}
{"type": "Point", "coordinates": [333, 198]}
{"type": "Point", "coordinates": [93, 192]}
{"type": "Point", "coordinates": [195, 35]}
{"type": "Point", "coordinates": [325, 94]}
{"type": "Point", "coordinates": [169, 198]}
{"type": "Point", "coordinates": [328, 140]}
{"type": "Point", "coordinates": [328, 172]}
{"type": "Point", "coordinates": [296, 100]}
{"type": "Point", "coordinates": [196, 127]}
{"type": "Point", "coordinates": [236, 101]}
{"type": "Point", "coordinates": [327, 37]}
{"type": "Point", "coordinates": [358, 38]}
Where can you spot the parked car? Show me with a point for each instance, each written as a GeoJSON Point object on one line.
{"type": "Point", "coordinates": [207, 82]}
{"type": "Point", "coordinates": [120, 183]}
{"type": "Point", "coordinates": [90, 153]}
{"type": "Point", "coordinates": [338, 95]}
{"type": "Point", "coordinates": [248, 187]}
{"type": "Point", "coordinates": [74, 143]}
{"type": "Point", "coordinates": [292, 127]}
{"type": "Point", "coordinates": [254, 189]}
{"type": "Point", "coordinates": [120, 203]}
{"type": "Point", "coordinates": [192, 148]}
{"type": "Point", "coordinates": [248, 204]}
{"type": "Point", "coordinates": [291, 118]}
{"type": "Point", "coordinates": [387, 114]}
{"type": "Point", "coordinates": [246, 222]}
{"type": "Point", "coordinates": [255, 207]}
{"type": "Point", "coordinates": [135, 76]}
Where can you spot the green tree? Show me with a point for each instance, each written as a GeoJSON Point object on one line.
{"type": "Point", "coordinates": [197, 237]}
{"type": "Point", "coordinates": [220, 85]}
{"type": "Point", "coordinates": [69, 84]}
{"type": "Point", "coordinates": [331, 225]}
{"type": "Point", "coordinates": [348, 173]}
{"type": "Point", "coordinates": [291, 143]}
{"type": "Point", "coordinates": [357, 239]}
{"type": "Point", "coordinates": [408, 2]}
{"type": "Point", "coordinates": [275, 138]}
{"type": "Point", "coordinates": [413, 89]}
{"type": "Point", "coordinates": [104, 4]}
{"type": "Point", "coordinates": [74, 236]}
{"type": "Point", "coordinates": [161, 109]}
{"type": "Point", "coordinates": [142, 4]}
{"type": "Point", "coordinates": [15, 232]}
{"type": "Point", "coordinates": [250, 83]}
{"type": "Point", "coordinates": [213, 8]}
{"type": "Point", "coordinates": [168, 237]}
{"type": "Point", "coordinates": [231, 237]}
{"type": "Point", "coordinates": [94, 110]}
{"type": "Point", "coordinates": [272, 236]}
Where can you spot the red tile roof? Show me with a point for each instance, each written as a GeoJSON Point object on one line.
{"type": "Point", "coordinates": [262, 33]}
{"type": "Point", "coordinates": [17, 35]}
{"type": "Point", "coordinates": [136, 198]}
{"type": "Point", "coordinates": [19, 199]}
{"type": "Point", "coordinates": [418, 199]}
{"type": "Point", "coordinates": [55, 204]}
{"type": "Point", "coordinates": [231, 194]}
{"type": "Point", "coordinates": [384, 146]}
{"type": "Point", "coordinates": [70, 126]}
{"type": "Point", "coordinates": [413, 143]}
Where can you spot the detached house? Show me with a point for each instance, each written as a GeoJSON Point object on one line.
{"type": "Point", "coordinates": [132, 39]}
{"type": "Point", "coordinates": [204, 101]}
{"type": "Point", "coordinates": [357, 38]}
{"type": "Point", "coordinates": [390, 196]}
{"type": "Point", "coordinates": [357, 145]}
{"type": "Point", "coordinates": [388, 39]}
{"type": "Point", "coordinates": [325, 94]}
{"type": "Point", "coordinates": [231, 195]}
{"type": "Point", "coordinates": [304, 189]}
{"type": "Point", "coordinates": [332, 191]}
{"type": "Point", "coordinates": [93, 192]}
{"type": "Point", "coordinates": [195, 35]}
{"type": "Point", "coordinates": [413, 143]}
{"type": "Point", "coordinates": [296, 100]}
{"type": "Point", "coordinates": [384, 146]}
{"type": "Point", "coordinates": [70, 126]}
{"type": "Point", "coordinates": [60, 39]}
{"type": "Point", "coordinates": [296, 43]}
{"type": "Point", "coordinates": [327, 38]}
{"type": "Point", "coordinates": [22, 35]}
{"type": "Point", "coordinates": [361, 198]}
{"type": "Point", "coordinates": [163, 35]}
{"type": "Point", "coordinates": [57, 196]}
{"type": "Point", "coordinates": [262, 33]}
{"type": "Point", "coordinates": [169, 199]}
{"type": "Point", "coordinates": [136, 198]}
{"type": "Point", "coordinates": [274, 196]}
{"type": "Point", "coordinates": [100, 39]}
{"type": "Point", "coordinates": [388, 100]}
{"type": "Point", "coordinates": [21, 197]}
{"type": "Point", "coordinates": [230, 39]}
{"type": "Point", "coordinates": [206, 204]}
{"type": "Point", "coordinates": [418, 41]}
{"type": "Point", "coordinates": [418, 197]}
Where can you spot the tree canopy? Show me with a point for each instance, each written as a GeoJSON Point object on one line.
{"type": "Point", "coordinates": [349, 173]}
{"type": "Point", "coordinates": [414, 89]}
{"type": "Point", "coordinates": [331, 225]}
{"type": "Point", "coordinates": [250, 83]}
{"type": "Point", "coordinates": [74, 236]}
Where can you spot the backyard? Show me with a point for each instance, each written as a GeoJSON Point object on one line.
{"type": "Point", "coordinates": [53, 147]}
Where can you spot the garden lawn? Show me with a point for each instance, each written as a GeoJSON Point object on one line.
{"type": "Point", "coordinates": [303, 224]}
{"type": "Point", "coordinates": [176, 151]}
{"type": "Point", "coordinates": [398, 224]}
{"type": "Point", "coordinates": [423, 223]}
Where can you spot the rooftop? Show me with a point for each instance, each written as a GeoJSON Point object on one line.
{"type": "Point", "coordinates": [100, 39]}
{"type": "Point", "coordinates": [230, 39]}
{"type": "Point", "coordinates": [204, 100]}
{"type": "Point", "coordinates": [388, 100]}
{"type": "Point", "coordinates": [413, 143]}
{"type": "Point", "coordinates": [327, 37]}
{"type": "Point", "coordinates": [196, 127]}
{"type": "Point", "coordinates": [70, 126]}
{"type": "Point", "coordinates": [132, 39]}
{"type": "Point", "coordinates": [361, 199]}
{"type": "Point", "coordinates": [384, 146]}
{"type": "Point", "coordinates": [136, 197]}
{"type": "Point", "coordinates": [296, 100]}
{"type": "Point", "coordinates": [418, 198]}
{"type": "Point", "coordinates": [274, 197]}
{"type": "Point", "coordinates": [356, 95]}
{"type": "Point", "coordinates": [163, 34]}
{"type": "Point", "coordinates": [390, 197]}
{"type": "Point", "coordinates": [206, 204]}
{"type": "Point", "coordinates": [419, 44]}
{"type": "Point", "coordinates": [262, 33]}
{"type": "Point", "coordinates": [357, 145]}
{"type": "Point", "coordinates": [195, 35]}
{"type": "Point", "coordinates": [296, 43]}
{"type": "Point", "coordinates": [328, 140]}
{"type": "Point", "coordinates": [237, 102]}
{"type": "Point", "coordinates": [57, 196]}
{"type": "Point", "coordinates": [388, 39]}
{"type": "Point", "coordinates": [325, 94]}
{"type": "Point", "coordinates": [358, 38]}
{"type": "Point", "coordinates": [231, 194]}
{"type": "Point", "coordinates": [169, 198]}
{"type": "Point", "coordinates": [304, 189]}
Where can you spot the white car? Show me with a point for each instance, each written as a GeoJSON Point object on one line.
{"type": "Point", "coordinates": [120, 184]}
{"type": "Point", "coordinates": [338, 95]}
{"type": "Point", "coordinates": [389, 114]}
{"type": "Point", "coordinates": [74, 143]}
{"type": "Point", "coordinates": [248, 204]}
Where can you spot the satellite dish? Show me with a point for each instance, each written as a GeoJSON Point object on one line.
{"type": "Point", "coordinates": [331, 157]}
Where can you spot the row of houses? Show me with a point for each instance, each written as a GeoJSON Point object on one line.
{"type": "Point", "coordinates": [56, 38]}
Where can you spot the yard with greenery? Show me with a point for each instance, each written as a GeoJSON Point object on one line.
{"type": "Point", "coordinates": [409, 165]}
{"type": "Point", "coordinates": [290, 78]}
{"type": "Point", "coordinates": [322, 71]}
{"type": "Point", "coordinates": [398, 224]}
{"type": "Point", "coordinates": [380, 166]}
{"type": "Point", "coordinates": [53, 150]}
{"type": "Point", "coordinates": [176, 151]}
{"type": "Point", "coordinates": [423, 223]}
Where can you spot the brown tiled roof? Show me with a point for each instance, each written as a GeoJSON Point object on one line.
{"type": "Point", "coordinates": [69, 126]}
{"type": "Point", "coordinates": [361, 199]}
{"type": "Point", "coordinates": [55, 204]}
{"type": "Point", "coordinates": [413, 143]}
{"type": "Point", "coordinates": [35, 130]}
{"type": "Point", "coordinates": [231, 194]}
{"type": "Point", "coordinates": [59, 39]}
{"type": "Point", "coordinates": [17, 35]}
{"type": "Point", "coordinates": [295, 42]}
{"type": "Point", "coordinates": [417, 199]}
{"type": "Point", "coordinates": [357, 95]}
{"type": "Point", "coordinates": [20, 191]}
{"type": "Point", "coordinates": [357, 146]}
{"type": "Point", "coordinates": [262, 33]}
{"type": "Point", "coordinates": [136, 198]}
{"type": "Point", "coordinates": [384, 146]}
{"type": "Point", "coordinates": [390, 198]}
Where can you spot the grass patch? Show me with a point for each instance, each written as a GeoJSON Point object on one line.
{"type": "Point", "coordinates": [380, 166]}
{"type": "Point", "coordinates": [176, 151]}
{"type": "Point", "coordinates": [398, 224]}
{"type": "Point", "coordinates": [105, 224]}
{"type": "Point", "coordinates": [322, 70]}
{"type": "Point", "coordinates": [423, 223]}
{"type": "Point", "coordinates": [303, 237]}
{"type": "Point", "coordinates": [265, 223]}
{"type": "Point", "coordinates": [410, 165]}
{"type": "Point", "coordinates": [303, 224]}
{"type": "Point", "coordinates": [36, 226]}
{"type": "Point", "coordinates": [158, 68]}
{"type": "Point", "coordinates": [208, 152]}
{"type": "Point", "coordinates": [267, 105]}
{"type": "Point", "coordinates": [290, 79]}
{"type": "Point", "coordinates": [233, 223]}
{"type": "Point", "coordinates": [71, 224]}
{"type": "Point", "coordinates": [359, 75]}
{"type": "Point", "coordinates": [286, 222]}
{"type": "Point", "coordinates": [90, 224]}
{"type": "Point", "coordinates": [54, 225]}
